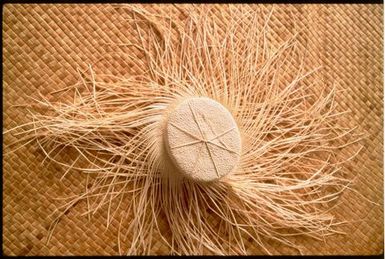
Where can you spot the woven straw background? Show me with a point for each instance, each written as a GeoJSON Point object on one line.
{"type": "Point", "coordinates": [44, 44]}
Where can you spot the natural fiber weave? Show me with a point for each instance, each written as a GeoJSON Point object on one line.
{"type": "Point", "coordinates": [44, 44]}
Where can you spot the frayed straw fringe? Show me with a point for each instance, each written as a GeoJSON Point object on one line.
{"type": "Point", "coordinates": [290, 168]}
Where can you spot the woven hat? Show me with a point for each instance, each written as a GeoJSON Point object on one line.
{"type": "Point", "coordinates": [43, 46]}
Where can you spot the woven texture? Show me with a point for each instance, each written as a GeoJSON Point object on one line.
{"type": "Point", "coordinates": [43, 45]}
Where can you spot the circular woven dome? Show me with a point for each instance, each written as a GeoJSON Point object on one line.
{"type": "Point", "coordinates": [202, 139]}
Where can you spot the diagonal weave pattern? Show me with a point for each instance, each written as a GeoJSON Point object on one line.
{"type": "Point", "coordinates": [43, 45]}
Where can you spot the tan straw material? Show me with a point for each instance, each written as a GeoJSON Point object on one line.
{"type": "Point", "coordinates": [203, 139]}
{"type": "Point", "coordinates": [43, 46]}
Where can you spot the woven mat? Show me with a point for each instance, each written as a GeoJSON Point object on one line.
{"type": "Point", "coordinates": [44, 44]}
